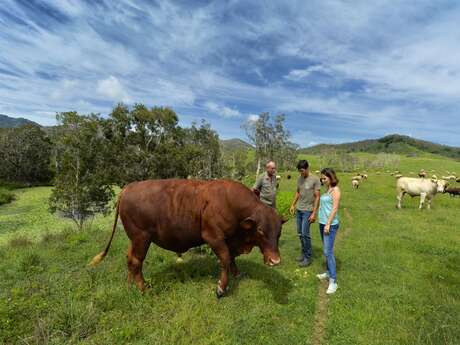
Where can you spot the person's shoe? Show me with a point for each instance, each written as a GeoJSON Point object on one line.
{"type": "Point", "coordinates": [332, 287]}
{"type": "Point", "coordinates": [305, 262]}
{"type": "Point", "coordinates": [300, 258]}
{"type": "Point", "coordinates": [322, 276]}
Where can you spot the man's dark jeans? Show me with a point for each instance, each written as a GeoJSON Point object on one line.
{"type": "Point", "coordinates": [303, 229]}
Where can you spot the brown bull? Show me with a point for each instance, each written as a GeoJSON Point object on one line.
{"type": "Point", "coordinates": [180, 214]}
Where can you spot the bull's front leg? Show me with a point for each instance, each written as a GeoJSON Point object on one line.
{"type": "Point", "coordinates": [234, 269]}
{"type": "Point", "coordinates": [422, 200]}
{"type": "Point", "coordinates": [399, 198]}
{"type": "Point", "coordinates": [222, 252]}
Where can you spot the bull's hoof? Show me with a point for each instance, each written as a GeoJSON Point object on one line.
{"type": "Point", "coordinates": [219, 292]}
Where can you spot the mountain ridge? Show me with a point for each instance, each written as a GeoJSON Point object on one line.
{"type": "Point", "coordinates": [393, 143]}
{"type": "Point", "coordinates": [14, 122]}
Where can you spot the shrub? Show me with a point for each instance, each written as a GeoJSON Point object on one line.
{"type": "Point", "coordinates": [6, 196]}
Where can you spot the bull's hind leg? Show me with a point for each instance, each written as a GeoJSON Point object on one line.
{"type": "Point", "coordinates": [136, 255]}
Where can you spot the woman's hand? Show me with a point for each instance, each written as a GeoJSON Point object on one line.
{"type": "Point", "coordinates": [292, 210]}
{"type": "Point", "coordinates": [327, 228]}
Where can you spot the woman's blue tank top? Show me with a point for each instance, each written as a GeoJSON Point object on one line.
{"type": "Point", "coordinates": [325, 209]}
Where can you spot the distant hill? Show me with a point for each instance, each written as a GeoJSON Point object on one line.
{"type": "Point", "coordinates": [234, 144]}
{"type": "Point", "coordinates": [12, 122]}
{"type": "Point", "coordinates": [393, 143]}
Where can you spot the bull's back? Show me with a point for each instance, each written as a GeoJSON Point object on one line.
{"type": "Point", "coordinates": [415, 186]}
{"type": "Point", "coordinates": [169, 211]}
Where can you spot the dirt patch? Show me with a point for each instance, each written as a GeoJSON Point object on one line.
{"type": "Point", "coordinates": [319, 327]}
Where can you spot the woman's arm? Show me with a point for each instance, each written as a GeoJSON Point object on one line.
{"type": "Point", "coordinates": [335, 207]}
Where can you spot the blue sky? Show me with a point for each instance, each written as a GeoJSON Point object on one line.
{"type": "Point", "coordinates": [339, 70]}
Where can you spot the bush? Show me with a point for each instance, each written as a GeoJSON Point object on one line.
{"type": "Point", "coordinates": [6, 196]}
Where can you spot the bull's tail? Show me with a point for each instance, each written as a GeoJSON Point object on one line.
{"type": "Point", "coordinates": [99, 257]}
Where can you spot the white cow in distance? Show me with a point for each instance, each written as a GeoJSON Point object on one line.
{"type": "Point", "coordinates": [425, 188]}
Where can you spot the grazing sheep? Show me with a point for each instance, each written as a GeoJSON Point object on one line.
{"type": "Point", "coordinates": [364, 176]}
{"type": "Point", "coordinates": [434, 177]}
{"type": "Point", "coordinates": [422, 174]}
{"type": "Point", "coordinates": [398, 176]}
{"type": "Point", "coordinates": [354, 184]}
{"type": "Point", "coordinates": [357, 178]}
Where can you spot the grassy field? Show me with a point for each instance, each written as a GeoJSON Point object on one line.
{"type": "Point", "coordinates": [397, 273]}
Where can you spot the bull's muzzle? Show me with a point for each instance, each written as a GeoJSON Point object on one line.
{"type": "Point", "coordinates": [273, 261]}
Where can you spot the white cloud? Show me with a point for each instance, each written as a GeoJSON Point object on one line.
{"type": "Point", "coordinates": [112, 88]}
{"type": "Point", "coordinates": [253, 117]}
{"type": "Point", "coordinates": [297, 74]}
{"type": "Point", "coordinates": [383, 64]}
{"type": "Point", "coordinates": [222, 110]}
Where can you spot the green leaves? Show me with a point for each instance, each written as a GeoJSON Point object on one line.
{"type": "Point", "coordinates": [25, 155]}
{"type": "Point", "coordinates": [82, 187]}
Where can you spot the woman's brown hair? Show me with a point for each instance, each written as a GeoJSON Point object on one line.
{"type": "Point", "coordinates": [329, 172]}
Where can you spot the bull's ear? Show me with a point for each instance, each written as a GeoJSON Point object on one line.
{"type": "Point", "coordinates": [248, 223]}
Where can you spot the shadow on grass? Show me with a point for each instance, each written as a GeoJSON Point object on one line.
{"type": "Point", "coordinates": [205, 268]}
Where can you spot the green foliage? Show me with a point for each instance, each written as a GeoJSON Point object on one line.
{"type": "Point", "coordinates": [236, 164]}
{"type": "Point", "coordinates": [394, 143]}
{"type": "Point", "coordinates": [145, 143]}
{"type": "Point", "coordinates": [82, 186]}
{"type": "Point", "coordinates": [271, 141]}
{"type": "Point", "coordinates": [203, 152]}
{"type": "Point", "coordinates": [6, 196]}
{"type": "Point", "coordinates": [148, 143]}
{"type": "Point", "coordinates": [25, 155]}
{"type": "Point", "coordinates": [347, 162]}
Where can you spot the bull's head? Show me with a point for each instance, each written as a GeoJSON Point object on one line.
{"type": "Point", "coordinates": [265, 227]}
{"type": "Point", "coordinates": [441, 185]}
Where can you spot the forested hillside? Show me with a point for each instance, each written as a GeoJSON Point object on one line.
{"type": "Point", "coordinates": [394, 143]}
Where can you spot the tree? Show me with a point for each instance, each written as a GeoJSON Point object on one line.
{"type": "Point", "coordinates": [235, 164]}
{"type": "Point", "coordinates": [203, 151]}
{"type": "Point", "coordinates": [82, 185]}
{"type": "Point", "coordinates": [271, 140]}
{"type": "Point", "coordinates": [25, 155]}
{"type": "Point", "coordinates": [145, 143]}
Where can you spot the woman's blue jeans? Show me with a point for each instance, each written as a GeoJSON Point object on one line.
{"type": "Point", "coordinates": [328, 248]}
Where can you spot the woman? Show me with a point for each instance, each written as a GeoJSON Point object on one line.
{"type": "Point", "coordinates": [329, 224]}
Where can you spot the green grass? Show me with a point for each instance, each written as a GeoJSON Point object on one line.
{"type": "Point", "coordinates": [397, 273]}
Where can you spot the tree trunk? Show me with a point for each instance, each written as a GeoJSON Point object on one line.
{"type": "Point", "coordinates": [258, 168]}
